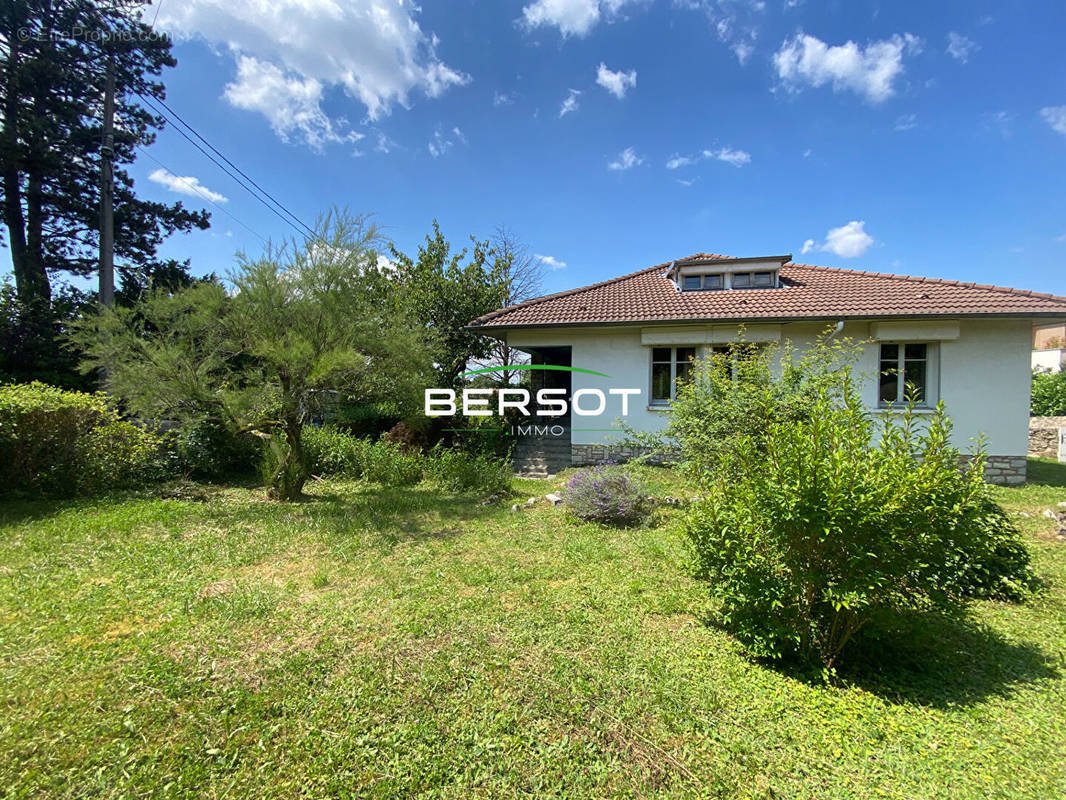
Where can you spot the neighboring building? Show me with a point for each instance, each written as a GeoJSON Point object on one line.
{"type": "Point", "coordinates": [1049, 348]}
{"type": "Point", "coordinates": [967, 344]}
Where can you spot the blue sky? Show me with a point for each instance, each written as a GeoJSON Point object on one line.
{"type": "Point", "coordinates": [921, 138]}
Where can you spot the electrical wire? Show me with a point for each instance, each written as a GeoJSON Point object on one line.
{"type": "Point", "coordinates": [194, 188]}
{"type": "Point", "coordinates": [305, 232]}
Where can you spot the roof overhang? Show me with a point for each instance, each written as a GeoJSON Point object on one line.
{"type": "Point", "coordinates": [1046, 317]}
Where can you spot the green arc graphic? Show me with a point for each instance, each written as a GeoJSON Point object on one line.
{"type": "Point", "coordinates": [559, 367]}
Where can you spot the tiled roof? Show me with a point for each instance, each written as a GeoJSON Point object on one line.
{"type": "Point", "coordinates": [810, 292]}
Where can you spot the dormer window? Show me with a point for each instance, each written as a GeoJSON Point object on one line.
{"type": "Point", "coordinates": [717, 274]}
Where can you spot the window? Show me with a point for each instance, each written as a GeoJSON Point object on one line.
{"type": "Point", "coordinates": [737, 353]}
{"type": "Point", "coordinates": [904, 373]}
{"type": "Point", "coordinates": [704, 283]}
{"type": "Point", "coordinates": [753, 280]}
{"type": "Point", "coordinates": [667, 365]}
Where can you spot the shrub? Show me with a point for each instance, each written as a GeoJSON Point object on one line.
{"type": "Point", "coordinates": [607, 495]}
{"type": "Point", "coordinates": [59, 443]}
{"type": "Point", "coordinates": [122, 455]}
{"type": "Point", "coordinates": [458, 471]}
{"type": "Point", "coordinates": [734, 396]}
{"type": "Point", "coordinates": [819, 524]}
{"type": "Point", "coordinates": [208, 450]}
{"type": "Point", "coordinates": [998, 567]}
{"type": "Point", "coordinates": [1048, 397]}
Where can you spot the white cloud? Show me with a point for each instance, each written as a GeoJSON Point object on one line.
{"type": "Point", "coordinates": [502, 99]}
{"type": "Point", "coordinates": [737, 158]}
{"type": "Point", "coordinates": [677, 161]}
{"type": "Point", "coordinates": [906, 122]}
{"type": "Point", "coordinates": [847, 241]}
{"type": "Point", "coordinates": [683, 182]}
{"type": "Point", "coordinates": [289, 53]}
{"type": "Point", "coordinates": [442, 142]}
{"type": "Point", "coordinates": [961, 48]}
{"type": "Point", "coordinates": [571, 17]}
{"type": "Point", "coordinates": [570, 103]}
{"type": "Point", "coordinates": [735, 22]}
{"type": "Point", "coordinates": [1055, 116]}
{"type": "Point", "coordinates": [869, 71]}
{"type": "Point", "coordinates": [617, 83]}
{"type": "Point", "coordinates": [186, 185]}
{"type": "Point", "coordinates": [291, 104]}
{"type": "Point", "coordinates": [550, 262]}
{"type": "Point", "coordinates": [627, 159]}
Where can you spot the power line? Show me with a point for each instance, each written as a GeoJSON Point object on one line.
{"type": "Point", "coordinates": [235, 167]}
{"type": "Point", "coordinates": [305, 231]}
{"type": "Point", "coordinates": [193, 188]}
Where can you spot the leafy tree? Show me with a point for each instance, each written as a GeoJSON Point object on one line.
{"type": "Point", "coordinates": [445, 294]}
{"type": "Point", "coordinates": [51, 90]}
{"type": "Point", "coordinates": [305, 325]}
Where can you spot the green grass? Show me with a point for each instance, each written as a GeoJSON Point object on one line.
{"type": "Point", "coordinates": [399, 643]}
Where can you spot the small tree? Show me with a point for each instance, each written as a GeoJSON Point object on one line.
{"type": "Point", "coordinates": [444, 295]}
{"type": "Point", "coordinates": [306, 323]}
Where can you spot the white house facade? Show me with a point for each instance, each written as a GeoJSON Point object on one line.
{"type": "Point", "coordinates": [966, 344]}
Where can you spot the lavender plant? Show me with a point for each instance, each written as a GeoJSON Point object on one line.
{"type": "Point", "coordinates": [607, 495]}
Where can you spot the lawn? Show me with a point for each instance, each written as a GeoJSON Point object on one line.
{"type": "Point", "coordinates": [400, 643]}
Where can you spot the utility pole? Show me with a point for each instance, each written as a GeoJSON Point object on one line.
{"type": "Point", "coordinates": [107, 217]}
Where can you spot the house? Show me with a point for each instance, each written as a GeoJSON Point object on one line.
{"type": "Point", "coordinates": [1049, 347]}
{"type": "Point", "coordinates": [964, 343]}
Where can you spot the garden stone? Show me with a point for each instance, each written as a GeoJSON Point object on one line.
{"type": "Point", "coordinates": [1050, 514]}
{"type": "Point", "coordinates": [553, 498]}
{"type": "Point", "coordinates": [531, 502]}
{"type": "Point", "coordinates": [515, 507]}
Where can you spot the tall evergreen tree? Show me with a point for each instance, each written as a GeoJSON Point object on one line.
{"type": "Point", "coordinates": [54, 57]}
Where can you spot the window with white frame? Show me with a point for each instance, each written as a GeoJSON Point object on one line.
{"type": "Point", "coordinates": [667, 365]}
{"type": "Point", "coordinates": [906, 373]}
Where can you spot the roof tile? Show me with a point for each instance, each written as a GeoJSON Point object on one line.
{"type": "Point", "coordinates": [811, 292]}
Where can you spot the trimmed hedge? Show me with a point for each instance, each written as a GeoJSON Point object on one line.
{"type": "Point", "coordinates": [57, 443]}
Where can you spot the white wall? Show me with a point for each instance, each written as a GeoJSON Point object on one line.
{"type": "Point", "coordinates": [983, 374]}
{"type": "Point", "coordinates": [1049, 360]}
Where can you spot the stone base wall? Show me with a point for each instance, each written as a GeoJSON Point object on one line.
{"type": "Point", "coordinates": [1000, 470]}
{"type": "Point", "coordinates": [1044, 436]}
{"type": "Point", "coordinates": [1005, 470]}
{"type": "Point", "coordinates": [585, 455]}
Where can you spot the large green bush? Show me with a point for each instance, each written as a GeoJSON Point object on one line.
{"type": "Point", "coordinates": [59, 443]}
{"type": "Point", "coordinates": [1048, 397]}
{"type": "Point", "coordinates": [817, 525]}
